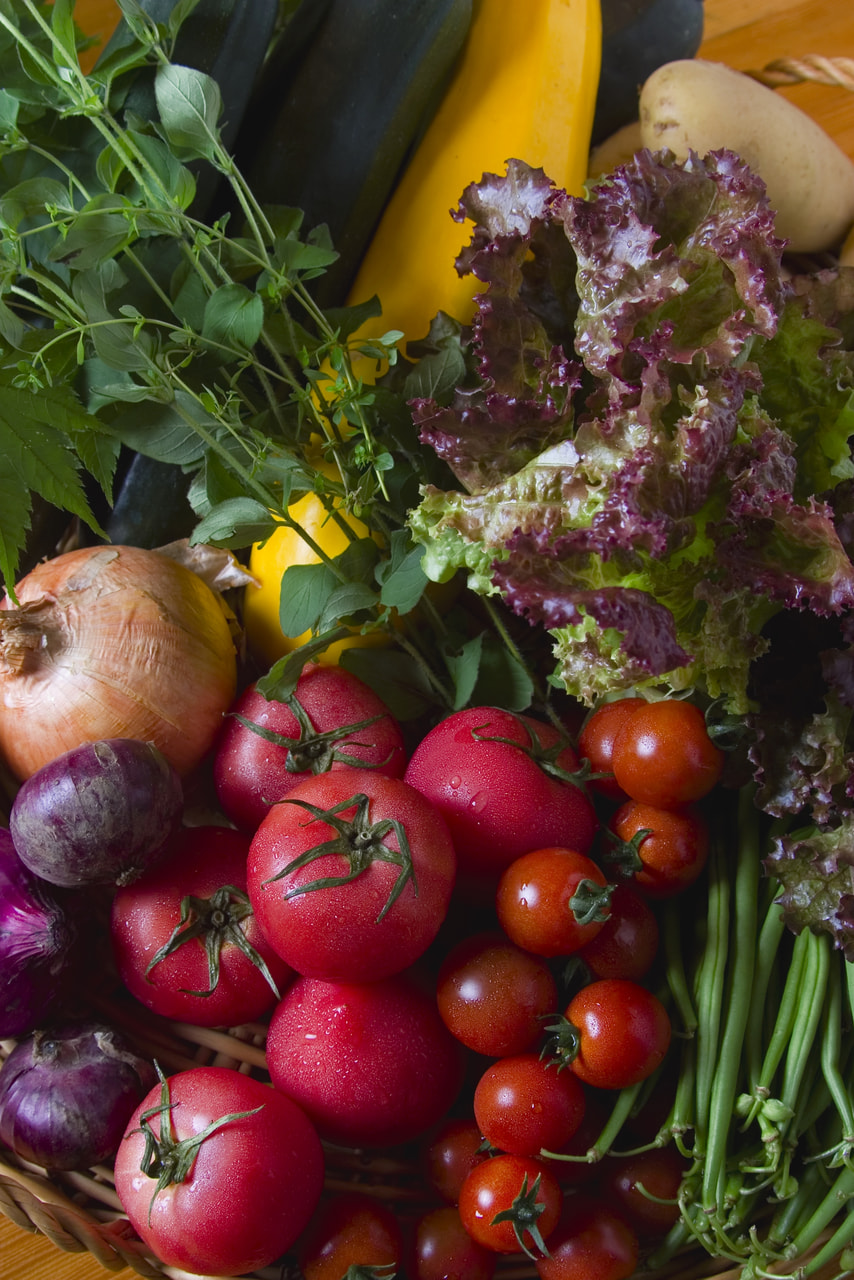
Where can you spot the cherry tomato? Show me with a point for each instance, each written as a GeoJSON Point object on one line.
{"type": "Point", "coordinates": [196, 901]}
{"type": "Point", "coordinates": [254, 1180]}
{"type": "Point", "coordinates": [351, 1229]}
{"type": "Point", "coordinates": [451, 1154]}
{"type": "Point", "coordinates": [645, 1188]}
{"type": "Point", "coordinates": [591, 1242]}
{"type": "Point", "coordinates": [523, 1104]}
{"type": "Point", "coordinates": [672, 853]}
{"type": "Point", "coordinates": [371, 1063]}
{"type": "Point", "coordinates": [596, 742]}
{"type": "Point", "coordinates": [520, 1184]}
{"type": "Point", "coordinates": [351, 876]}
{"type": "Point", "coordinates": [663, 755]}
{"type": "Point", "coordinates": [478, 767]}
{"type": "Point", "coordinates": [442, 1249]}
{"type": "Point", "coordinates": [627, 943]}
{"type": "Point", "coordinates": [493, 996]}
{"type": "Point", "coordinates": [553, 900]}
{"type": "Point", "coordinates": [332, 721]}
{"type": "Point", "coordinates": [619, 1033]}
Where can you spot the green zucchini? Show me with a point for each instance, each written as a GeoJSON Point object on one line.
{"type": "Point", "coordinates": [638, 36]}
{"type": "Point", "coordinates": [366, 86]}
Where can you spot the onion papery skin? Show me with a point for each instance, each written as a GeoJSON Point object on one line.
{"type": "Point", "coordinates": [113, 642]}
{"type": "Point", "coordinates": [67, 1094]}
{"type": "Point", "coordinates": [102, 813]}
{"type": "Point", "coordinates": [37, 945]}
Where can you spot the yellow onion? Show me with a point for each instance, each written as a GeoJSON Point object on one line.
{"type": "Point", "coordinates": [112, 642]}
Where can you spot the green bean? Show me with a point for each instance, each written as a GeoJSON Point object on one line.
{"type": "Point", "coordinates": [709, 986]}
{"type": "Point", "coordinates": [742, 952]}
{"type": "Point", "coordinates": [767, 960]}
{"type": "Point", "coordinates": [823, 1214]}
{"type": "Point", "coordinates": [810, 1009]}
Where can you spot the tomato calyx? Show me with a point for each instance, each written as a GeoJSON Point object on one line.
{"type": "Point", "coordinates": [563, 1044]}
{"type": "Point", "coordinates": [370, 1271]}
{"type": "Point", "coordinates": [545, 757]}
{"type": "Point", "coordinates": [215, 921]}
{"type": "Point", "coordinates": [524, 1213]}
{"type": "Point", "coordinates": [315, 751]}
{"type": "Point", "coordinates": [166, 1158]}
{"type": "Point", "coordinates": [591, 902]}
{"type": "Point", "coordinates": [360, 841]}
{"type": "Point", "coordinates": [624, 855]}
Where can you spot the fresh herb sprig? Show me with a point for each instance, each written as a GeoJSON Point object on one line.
{"type": "Point", "coordinates": [129, 320]}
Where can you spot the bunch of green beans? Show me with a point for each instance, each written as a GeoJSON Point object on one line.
{"type": "Point", "coordinates": [763, 1108]}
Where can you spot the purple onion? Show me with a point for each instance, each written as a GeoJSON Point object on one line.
{"type": "Point", "coordinates": [66, 1095]}
{"type": "Point", "coordinates": [36, 942]}
{"type": "Point", "coordinates": [99, 814]}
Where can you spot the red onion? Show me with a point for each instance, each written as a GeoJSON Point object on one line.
{"type": "Point", "coordinates": [36, 945]}
{"type": "Point", "coordinates": [100, 814]}
{"type": "Point", "coordinates": [66, 1095]}
{"type": "Point", "coordinates": [113, 642]}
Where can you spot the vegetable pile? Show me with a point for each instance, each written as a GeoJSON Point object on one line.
{"type": "Point", "coordinates": [477, 743]}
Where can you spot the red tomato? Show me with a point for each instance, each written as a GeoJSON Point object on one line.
{"type": "Point", "coordinates": [645, 1187]}
{"type": "Point", "coordinates": [596, 742]}
{"type": "Point", "coordinates": [350, 1229]}
{"type": "Point", "coordinates": [619, 1033]}
{"type": "Point", "coordinates": [332, 721]}
{"type": "Point", "coordinates": [498, 800]}
{"type": "Point", "coordinates": [205, 870]}
{"type": "Point", "coordinates": [627, 943]}
{"type": "Point", "coordinates": [523, 1105]}
{"type": "Point", "coordinates": [451, 1154]}
{"type": "Point", "coordinates": [518, 1183]}
{"type": "Point", "coordinates": [351, 876]}
{"type": "Point", "coordinates": [591, 1242]}
{"type": "Point", "coordinates": [442, 1249]}
{"type": "Point", "coordinates": [371, 1063]}
{"type": "Point", "coordinates": [663, 755]}
{"type": "Point", "coordinates": [493, 996]}
{"type": "Point", "coordinates": [552, 901]}
{"type": "Point", "coordinates": [253, 1181]}
{"type": "Point", "coordinates": [672, 853]}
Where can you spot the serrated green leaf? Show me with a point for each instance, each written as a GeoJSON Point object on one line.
{"type": "Point", "coordinates": [190, 104]}
{"type": "Point", "coordinates": [235, 523]}
{"type": "Point", "coordinates": [35, 429]}
{"type": "Point", "coordinates": [234, 316]}
{"type": "Point", "coordinates": [15, 509]}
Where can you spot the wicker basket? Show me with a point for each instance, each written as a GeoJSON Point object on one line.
{"type": "Point", "coordinates": [79, 1212]}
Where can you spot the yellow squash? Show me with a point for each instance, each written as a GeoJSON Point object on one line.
{"type": "Point", "coordinates": [524, 88]}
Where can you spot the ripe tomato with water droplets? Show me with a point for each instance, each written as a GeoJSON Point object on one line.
{"type": "Point", "coordinates": [502, 783]}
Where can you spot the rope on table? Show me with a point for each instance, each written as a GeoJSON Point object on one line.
{"type": "Point", "coordinates": [812, 67]}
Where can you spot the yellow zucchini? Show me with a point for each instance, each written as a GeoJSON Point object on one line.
{"type": "Point", "coordinates": [524, 88]}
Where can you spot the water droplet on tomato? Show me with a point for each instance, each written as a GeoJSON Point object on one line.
{"type": "Point", "coordinates": [455, 781]}
{"type": "Point", "coordinates": [479, 801]}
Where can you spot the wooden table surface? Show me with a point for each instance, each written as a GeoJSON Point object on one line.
{"type": "Point", "coordinates": [745, 34]}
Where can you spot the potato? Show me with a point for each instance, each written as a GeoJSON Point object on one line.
{"type": "Point", "coordinates": [614, 151]}
{"type": "Point", "coordinates": [704, 106]}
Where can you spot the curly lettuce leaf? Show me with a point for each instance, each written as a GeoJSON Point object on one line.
{"type": "Point", "coordinates": [633, 476]}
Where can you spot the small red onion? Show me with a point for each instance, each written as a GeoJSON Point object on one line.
{"type": "Point", "coordinates": [99, 814]}
{"type": "Point", "coordinates": [36, 945]}
{"type": "Point", "coordinates": [66, 1095]}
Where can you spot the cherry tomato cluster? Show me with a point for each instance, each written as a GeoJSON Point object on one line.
{"type": "Point", "coordinates": [449, 947]}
